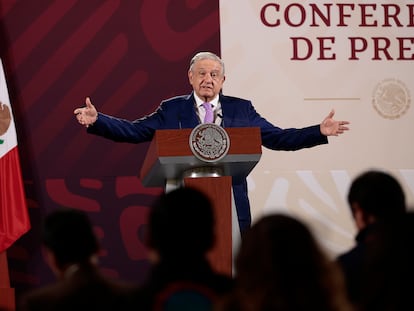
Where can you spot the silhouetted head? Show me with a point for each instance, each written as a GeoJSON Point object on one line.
{"type": "Point", "coordinates": [388, 267]}
{"type": "Point", "coordinates": [68, 234]}
{"type": "Point", "coordinates": [181, 223]}
{"type": "Point", "coordinates": [281, 266]}
{"type": "Point", "coordinates": [378, 194]}
{"type": "Point", "coordinates": [283, 248]}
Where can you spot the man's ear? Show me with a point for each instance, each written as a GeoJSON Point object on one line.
{"type": "Point", "coordinates": [362, 219]}
{"type": "Point", "coordinates": [52, 263]}
{"type": "Point", "coordinates": [190, 77]}
{"type": "Point", "coordinates": [153, 255]}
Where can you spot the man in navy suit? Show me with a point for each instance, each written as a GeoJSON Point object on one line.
{"type": "Point", "coordinates": [206, 75]}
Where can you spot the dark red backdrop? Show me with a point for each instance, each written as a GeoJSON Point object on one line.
{"type": "Point", "coordinates": [127, 56]}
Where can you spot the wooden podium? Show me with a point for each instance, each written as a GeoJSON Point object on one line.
{"type": "Point", "coordinates": [170, 157]}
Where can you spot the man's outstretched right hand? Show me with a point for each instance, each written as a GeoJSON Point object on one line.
{"type": "Point", "coordinates": [86, 115]}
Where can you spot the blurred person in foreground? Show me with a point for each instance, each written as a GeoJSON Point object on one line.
{"type": "Point", "coordinates": [374, 197]}
{"type": "Point", "coordinates": [388, 274]}
{"type": "Point", "coordinates": [180, 234]}
{"type": "Point", "coordinates": [71, 249]}
{"type": "Point", "coordinates": [280, 266]}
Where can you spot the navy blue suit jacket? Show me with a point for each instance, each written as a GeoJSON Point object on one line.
{"type": "Point", "coordinates": [180, 112]}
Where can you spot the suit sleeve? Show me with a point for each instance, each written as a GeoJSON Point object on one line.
{"type": "Point", "coordinates": [137, 131]}
{"type": "Point", "coordinates": [289, 139]}
{"type": "Point", "coordinates": [121, 130]}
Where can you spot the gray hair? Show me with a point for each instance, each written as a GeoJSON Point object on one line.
{"type": "Point", "coordinates": [206, 55]}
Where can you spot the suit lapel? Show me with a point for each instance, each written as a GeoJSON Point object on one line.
{"type": "Point", "coordinates": [187, 114]}
{"type": "Point", "coordinates": [227, 111]}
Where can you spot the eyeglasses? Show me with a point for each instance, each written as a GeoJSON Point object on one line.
{"type": "Point", "coordinates": [215, 75]}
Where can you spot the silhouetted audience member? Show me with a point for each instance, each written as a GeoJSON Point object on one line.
{"type": "Point", "coordinates": [180, 234]}
{"type": "Point", "coordinates": [280, 266]}
{"type": "Point", "coordinates": [389, 270]}
{"type": "Point", "coordinates": [71, 250]}
{"type": "Point", "coordinates": [374, 196]}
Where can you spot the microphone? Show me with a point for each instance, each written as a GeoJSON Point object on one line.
{"type": "Point", "coordinates": [222, 119]}
{"type": "Point", "coordinates": [179, 120]}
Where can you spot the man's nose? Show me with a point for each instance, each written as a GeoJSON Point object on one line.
{"type": "Point", "coordinates": [209, 77]}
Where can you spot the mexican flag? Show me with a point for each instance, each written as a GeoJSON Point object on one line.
{"type": "Point", "coordinates": [14, 218]}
